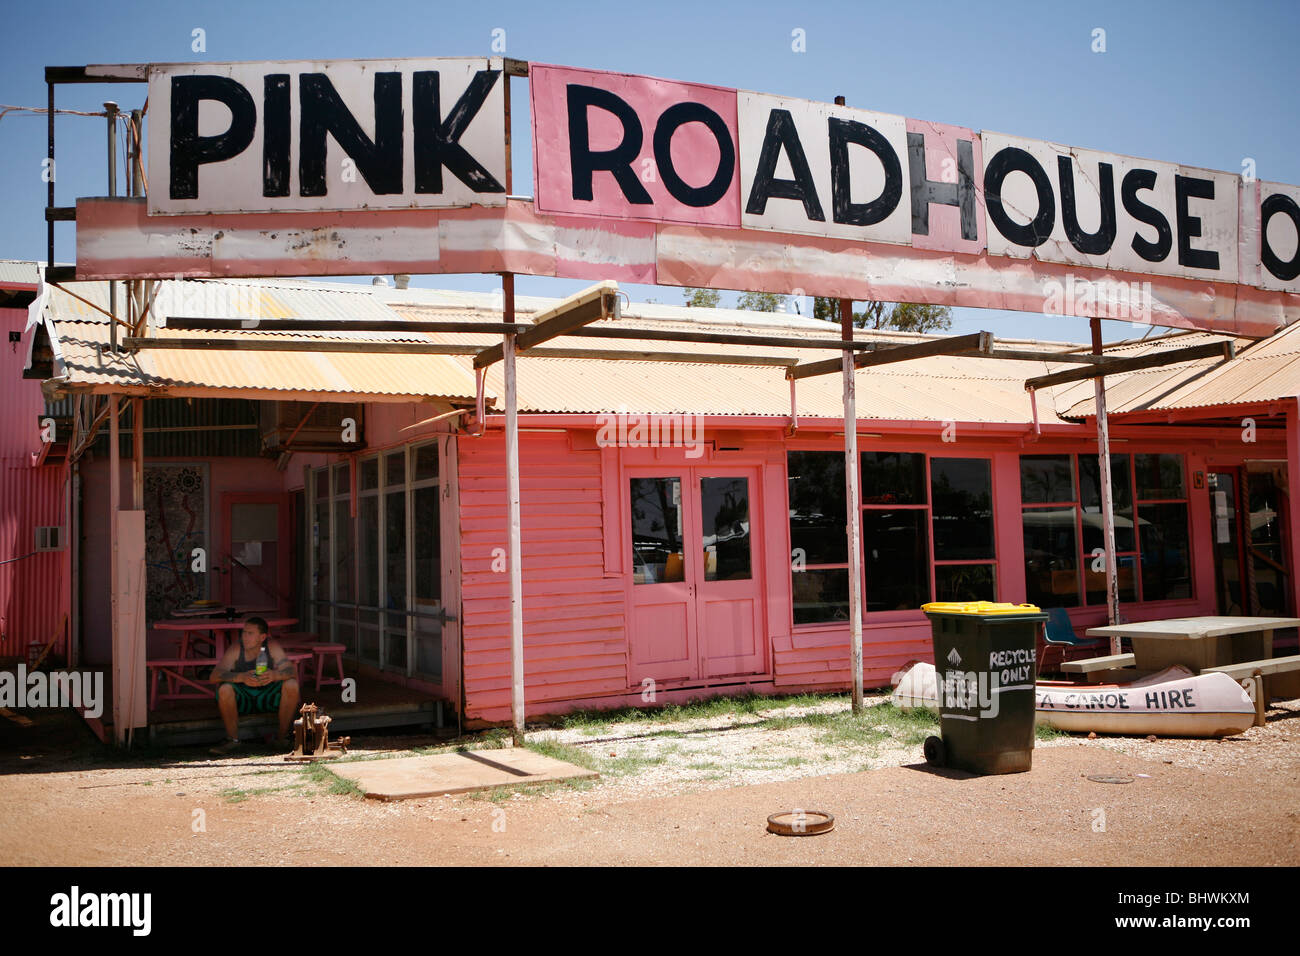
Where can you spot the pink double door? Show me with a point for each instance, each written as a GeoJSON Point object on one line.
{"type": "Point", "coordinates": [697, 612]}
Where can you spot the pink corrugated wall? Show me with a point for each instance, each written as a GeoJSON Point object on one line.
{"type": "Point", "coordinates": [33, 589]}
{"type": "Point", "coordinates": [574, 643]}
{"type": "Point", "coordinates": [33, 595]}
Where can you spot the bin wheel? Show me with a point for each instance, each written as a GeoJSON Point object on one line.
{"type": "Point", "coordinates": [934, 751]}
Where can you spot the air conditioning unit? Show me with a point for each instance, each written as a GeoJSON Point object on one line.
{"type": "Point", "coordinates": [312, 426]}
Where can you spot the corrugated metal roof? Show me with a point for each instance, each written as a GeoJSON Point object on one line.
{"type": "Point", "coordinates": [941, 388]}
{"type": "Point", "coordinates": [83, 336]}
{"type": "Point", "coordinates": [16, 272]}
{"type": "Point", "coordinates": [1262, 371]}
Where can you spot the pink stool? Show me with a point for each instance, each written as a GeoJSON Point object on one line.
{"type": "Point", "coordinates": [319, 653]}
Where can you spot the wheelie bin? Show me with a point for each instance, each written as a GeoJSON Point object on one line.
{"type": "Point", "coordinates": [985, 664]}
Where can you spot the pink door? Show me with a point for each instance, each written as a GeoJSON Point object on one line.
{"type": "Point", "coordinates": [696, 612]}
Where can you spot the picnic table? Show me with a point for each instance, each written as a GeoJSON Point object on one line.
{"type": "Point", "coordinates": [197, 629]}
{"type": "Point", "coordinates": [1198, 642]}
{"type": "Point", "coordinates": [212, 609]}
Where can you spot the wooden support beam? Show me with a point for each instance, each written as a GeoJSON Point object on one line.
{"type": "Point", "coordinates": [1226, 350]}
{"type": "Point", "coordinates": [439, 348]}
{"type": "Point", "coordinates": [397, 326]}
{"type": "Point", "coordinates": [233, 344]}
{"type": "Point", "coordinates": [590, 305]}
{"type": "Point", "coordinates": [980, 343]}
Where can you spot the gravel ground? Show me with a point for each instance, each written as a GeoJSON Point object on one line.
{"type": "Point", "coordinates": [697, 794]}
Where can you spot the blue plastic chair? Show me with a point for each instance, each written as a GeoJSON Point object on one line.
{"type": "Point", "coordinates": [1059, 633]}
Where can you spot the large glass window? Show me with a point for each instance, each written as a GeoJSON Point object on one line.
{"type": "Point", "coordinates": [819, 550]}
{"type": "Point", "coordinates": [927, 528]}
{"type": "Point", "coordinates": [1064, 531]}
{"type": "Point", "coordinates": [657, 555]}
{"type": "Point", "coordinates": [378, 583]}
{"type": "Point", "coordinates": [961, 495]}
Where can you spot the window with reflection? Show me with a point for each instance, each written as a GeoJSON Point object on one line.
{"type": "Point", "coordinates": [724, 516]}
{"type": "Point", "coordinates": [657, 548]}
{"type": "Point", "coordinates": [1064, 528]}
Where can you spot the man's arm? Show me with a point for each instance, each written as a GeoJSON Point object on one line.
{"type": "Point", "coordinates": [222, 673]}
{"type": "Point", "coordinates": [281, 667]}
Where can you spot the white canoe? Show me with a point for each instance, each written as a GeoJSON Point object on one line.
{"type": "Point", "coordinates": [1171, 703]}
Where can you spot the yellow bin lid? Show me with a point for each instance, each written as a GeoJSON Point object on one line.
{"type": "Point", "coordinates": [979, 607]}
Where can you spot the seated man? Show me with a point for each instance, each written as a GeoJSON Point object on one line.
{"type": "Point", "coordinates": [250, 684]}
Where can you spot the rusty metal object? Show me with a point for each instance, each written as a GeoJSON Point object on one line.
{"type": "Point", "coordinates": [800, 823]}
{"type": "Point", "coordinates": [311, 737]}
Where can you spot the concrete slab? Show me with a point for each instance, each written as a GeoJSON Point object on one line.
{"type": "Point", "coordinates": [406, 778]}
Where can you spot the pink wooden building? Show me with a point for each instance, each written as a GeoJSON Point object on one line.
{"type": "Point", "coordinates": [708, 557]}
{"type": "Point", "coordinates": [33, 491]}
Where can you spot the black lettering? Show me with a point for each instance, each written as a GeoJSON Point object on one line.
{"type": "Point", "coordinates": [843, 132]}
{"type": "Point", "coordinates": [781, 134]}
{"type": "Point", "coordinates": [926, 191]}
{"type": "Point", "coordinates": [275, 134]}
{"type": "Point", "coordinates": [322, 112]}
{"type": "Point", "coordinates": [674, 117]}
{"type": "Point", "coordinates": [189, 150]}
{"type": "Point", "coordinates": [1153, 699]}
{"type": "Point", "coordinates": [1273, 205]}
{"type": "Point", "coordinates": [1189, 226]}
{"type": "Point", "coordinates": [437, 140]}
{"type": "Point", "coordinates": [1039, 229]}
{"type": "Point", "coordinates": [584, 161]}
{"type": "Point", "coordinates": [1134, 180]}
{"type": "Point", "coordinates": [1089, 243]}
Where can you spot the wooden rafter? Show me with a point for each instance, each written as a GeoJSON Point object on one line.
{"type": "Point", "coordinates": [979, 343]}
{"type": "Point", "coordinates": [590, 305]}
{"type": "Point", "coordinates": [1227, 350]}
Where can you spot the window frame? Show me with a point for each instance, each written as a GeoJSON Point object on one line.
{"type": "Point", "coordinates": [928, 507]}
{"type": "Point", "coordinates": [1084, 557]}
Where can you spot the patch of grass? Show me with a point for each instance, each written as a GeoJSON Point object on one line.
{"type": "Point", "coordinates": [707, 707]}
{"type": "Point", "coordinates": [627, 764]}
{"type": "Point", "coordinates": [704, 765]}
{"type": "Point", "coordinates": [322, 776]}
{"type": "Point", "coordinates": [1045, 733]}
{"type": "Point", "coordinates": [566, 752]}
{"type": "Point", "coordinates": [238, 795]}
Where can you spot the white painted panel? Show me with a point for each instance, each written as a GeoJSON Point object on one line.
{"type": "Point", "coordinates": [1281, 234]}
{"type": "Point", "coordinates": [1217, 217]}
{"type": "Point", "coordinates": [866, 172]}
{"type": "Point", "coordinates": [235, 184]}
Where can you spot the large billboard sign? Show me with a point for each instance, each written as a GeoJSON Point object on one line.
{"type": "Point", "coordinates": [352, 134]}
{"type": "Point", "coordinates": [614, 146]}
{"type": "Point", "coordinates": [358, 167]}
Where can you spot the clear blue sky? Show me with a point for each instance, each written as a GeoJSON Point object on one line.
{"type": "Point", "coordinates": [1205, 84]}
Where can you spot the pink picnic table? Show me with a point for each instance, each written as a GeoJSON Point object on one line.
{"type": "Point", "coordinates": [218, 627]}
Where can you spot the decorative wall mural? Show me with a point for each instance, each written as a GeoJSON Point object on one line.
{"type": "Point", "coordinates": [176, 522]}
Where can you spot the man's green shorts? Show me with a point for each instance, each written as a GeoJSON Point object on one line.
{"type": "Point", "coordinates": [256, 700]}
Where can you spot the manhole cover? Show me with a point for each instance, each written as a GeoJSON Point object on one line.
{"type": "Point", "coordinates": [800, 823]}
{"type": "Point", "coordinates": [1103, 778]}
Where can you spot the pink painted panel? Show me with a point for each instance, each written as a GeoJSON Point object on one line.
{"type": "Point", "coordinates": [574, 616]}
{"type": "Point", "coordinates": [115, 240]}
{"type": "Point", "coordinates": [696, 156]}
{"type": "Point", "coordinates": [731, 637]}
{"type": "Point", "coordinates": [941, 166]}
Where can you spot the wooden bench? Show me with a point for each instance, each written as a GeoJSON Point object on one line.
{"type": "Point", "coordinates": [181, 686]}
{"type": "Point", "coordinates": [177, 680]}
{"type": "Point", "coordinates": [1097, 669]}
{"type": "Point", "coordinates": [1283, 680]}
